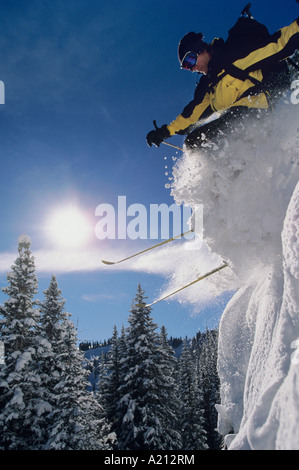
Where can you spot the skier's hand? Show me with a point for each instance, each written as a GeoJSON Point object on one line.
{"type": "Point", "coordinates": [157, 136]}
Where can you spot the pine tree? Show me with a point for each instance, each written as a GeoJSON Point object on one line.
{"type": "Point", "coordinates": [191, 415]}
{"type": "Point", "coordinates": [210, 384]}
{"type": "Point", "coordinates": [138, 371]}
{"type": "Point", "coordinates": [110, 382]}
{"type": "Point", "coordinates": [142, 410]}
{"type": "Point", "coordinates": [22, 398]}
{"type": "Point", "coordinates": [94, 366]}
{"type": "Point", "coordinates": [76, 421]}
{"type": "Point", "coordinates": [169, 394]}
{"type": "Point", "coordinates": [52, 310]}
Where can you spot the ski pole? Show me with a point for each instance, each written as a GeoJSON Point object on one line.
{"type": "Point", "coordinates": [171, 145]}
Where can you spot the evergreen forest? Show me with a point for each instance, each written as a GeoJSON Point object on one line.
{"type": "Point", "coordinates": [143, 395]}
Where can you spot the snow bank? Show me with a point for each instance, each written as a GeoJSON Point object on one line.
{"type": "Point", "coordinates": [248, 186]}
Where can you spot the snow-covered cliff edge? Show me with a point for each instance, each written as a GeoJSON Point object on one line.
{"type": "Point", "coordinates": [250, 192]}
{"type": "Point", "coordinates": [258, 363]}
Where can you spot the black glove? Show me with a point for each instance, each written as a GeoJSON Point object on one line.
{"type": "Point", "coordinates": [157, 136]}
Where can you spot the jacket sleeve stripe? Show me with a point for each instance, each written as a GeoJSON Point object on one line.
{"type": "Point", "coordinates": [285, 44]}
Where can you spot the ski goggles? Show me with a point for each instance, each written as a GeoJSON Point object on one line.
{"type": "Point", "coordinates": [189, 61]}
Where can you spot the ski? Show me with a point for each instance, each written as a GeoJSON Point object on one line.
{"type": "Point", "coordinates": [109, 263]}
{"type": "Point", "coordinates": [190, 284]}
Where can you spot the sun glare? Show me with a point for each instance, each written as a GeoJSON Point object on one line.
{"type": "Point", "coordinates": [68, 227]}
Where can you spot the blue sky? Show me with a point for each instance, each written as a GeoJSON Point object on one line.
{"type": "Point", "coordinates": [83, 82]}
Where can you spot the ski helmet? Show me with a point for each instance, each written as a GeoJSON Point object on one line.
{"type": "Point", "coordinates": [191, 42]}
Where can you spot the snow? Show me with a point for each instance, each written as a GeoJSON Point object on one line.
{"type": "Point", "coordinates": [17, 397]}
{"type": "Point", "coordinates": [43, 407]}
{"type": "Point", "coordinates": [24, 239]}
{"type": "Point", "coordinates": [23, 360]}
{"type": "Point", "coordinates": [249, 188]}
{"type": "Point", "coordinates": [2, 353]}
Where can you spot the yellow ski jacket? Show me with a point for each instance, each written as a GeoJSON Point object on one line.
{"type": "Point", "coordinates": [227, 90]}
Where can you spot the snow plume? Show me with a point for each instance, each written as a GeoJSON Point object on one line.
{"type": "Point", "coordinates": [245, 184]}
{"type": "Point", "coordinates": [250, 191]}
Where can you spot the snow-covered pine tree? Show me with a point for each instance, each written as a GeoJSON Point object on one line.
{"type": "Point", "coordinates": [138, 389]}
{"type": "Point", "coordinates": [117, 421]}
{"type": "Point", "coordinates": [169, 394]}
{"type": "Point", "coordinates": [76, 422]}
{"type": "Point", "coordinates": [191, 416]}
{"type": "Point", "coordinates": [210, 384]}
{"type": "Point", "coordinates": [22, 398]}
{"type": "Point", "coordinates": [141, 411]}
{"type": "Point", "coordinates": [109, 384]}
{"type": "Point", "coordinates": [52, 315]}
{"type": "Point", "coordinates": [95, 368]}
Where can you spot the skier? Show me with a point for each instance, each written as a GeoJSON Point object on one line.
{"type": "Point", "coordinates": [241, 76]}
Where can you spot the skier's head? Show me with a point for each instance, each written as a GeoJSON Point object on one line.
{"type": "Point", "coordinates": [191, 43]}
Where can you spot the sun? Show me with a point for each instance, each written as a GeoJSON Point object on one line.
{"type": "Point", "coordinates": [68, 227]}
